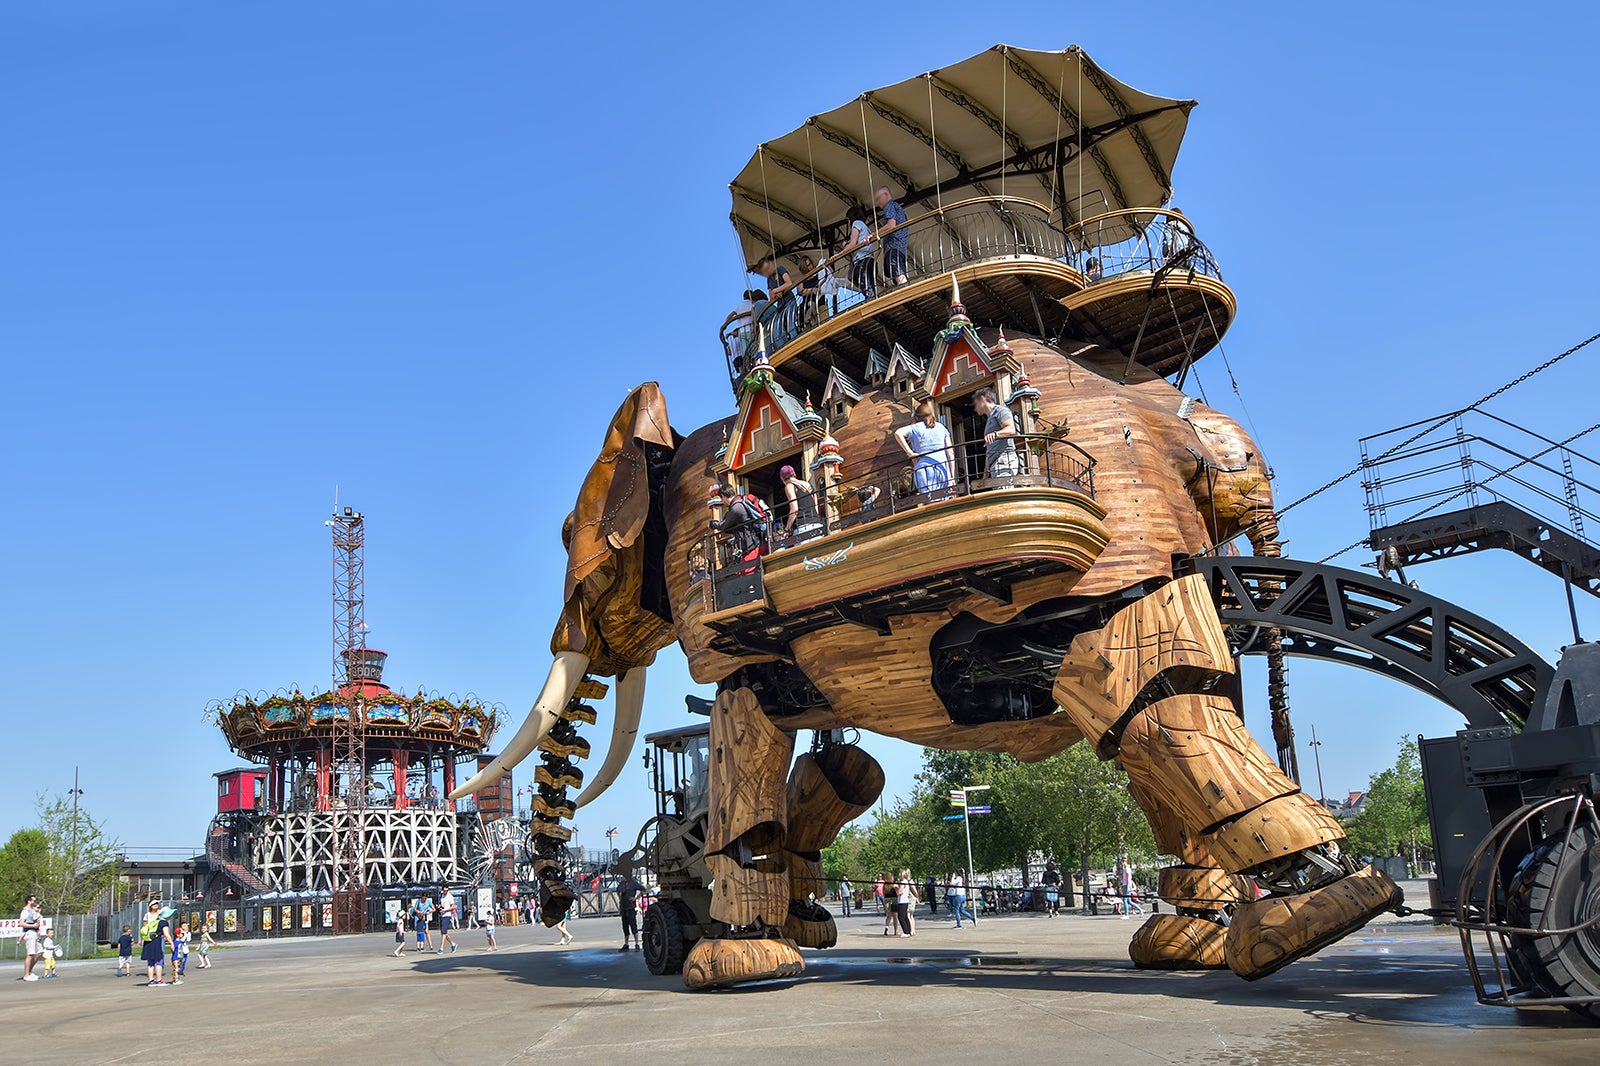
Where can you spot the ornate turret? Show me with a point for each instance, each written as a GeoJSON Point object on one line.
{"type": "Point", "coordinates": [809, 423]}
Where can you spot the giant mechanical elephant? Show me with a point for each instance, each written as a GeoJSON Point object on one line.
{"type": "Point", "coordinates": [1116, 647]}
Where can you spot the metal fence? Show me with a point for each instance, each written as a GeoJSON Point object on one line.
{"type": "Point", "coordinates": [77, 933]}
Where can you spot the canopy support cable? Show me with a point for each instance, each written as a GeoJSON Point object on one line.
{"type": "Point", "coordinates": [1055, 171]}
{"type": "Point", "coordinates": [816, 203]}
{"type": "Point", "coordinates": [1004, 51]}
{"type": "Point", "coordinates": [866, 145]}
{"type": "Point", "coordinates": [933, 130]}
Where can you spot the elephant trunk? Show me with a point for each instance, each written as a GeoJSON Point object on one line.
{"type": "Point", "coordinates": [565, 674]}
{"type": "Point", "coordinates": [625, 727]}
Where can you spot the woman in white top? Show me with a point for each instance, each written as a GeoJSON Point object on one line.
{"type": "Point", "coordinates": [862, 268]}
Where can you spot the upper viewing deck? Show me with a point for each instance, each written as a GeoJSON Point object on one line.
{"type": "Point", "coordinates": [1036, 179]}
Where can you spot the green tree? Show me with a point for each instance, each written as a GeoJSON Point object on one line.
{"type": "Point", "coordinates": [843, 858]}
{"type": "Point", "coordinates": [24, 867]}
{"type": "Point", "coordinates": [66, 859]}
{"type": "Point", "coordinates": [1394, 818]}
{"type": "Point", "coordinates": [1070, 806]}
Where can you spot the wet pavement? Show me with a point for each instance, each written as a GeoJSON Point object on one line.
{"type": "Point", "coordinates": [1015, 988]}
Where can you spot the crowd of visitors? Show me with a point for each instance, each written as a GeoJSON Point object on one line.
{"type": "Point", "coordinates": [791, 304]}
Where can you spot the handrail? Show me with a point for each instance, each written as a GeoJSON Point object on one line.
{"type": "Point", "coordinates": [1138, 240]}
{"type": "Point", "coordinates": [886, 489]}
{"type": "Point", "coordinates": [939, 239]}
{"type": "Point", "coordinates": [1105, 246]}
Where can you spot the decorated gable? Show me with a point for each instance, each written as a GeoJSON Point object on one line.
{"type": "Point", "coordinates": [959, 358]}
{"type": "Point", "coordinates": [905, 371]}
{"type": "Point", "coordinates": [765, 426]}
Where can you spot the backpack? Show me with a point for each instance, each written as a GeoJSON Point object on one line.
{"type": "Point", "coordinates": [763, 517]}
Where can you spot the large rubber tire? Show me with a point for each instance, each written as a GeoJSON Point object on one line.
{"type": "Point", "coordinates": [664, 947]}
{"type": "Point", "coordinates": [1560, 894]}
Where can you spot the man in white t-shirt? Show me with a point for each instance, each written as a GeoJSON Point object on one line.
{"type": "Point", "coordinates": [32, 924]}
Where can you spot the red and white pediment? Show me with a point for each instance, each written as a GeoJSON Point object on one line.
{"type": "Point", "coordinates": [959, 359]}
{"type": "Point", "coordinates": [764, 428]}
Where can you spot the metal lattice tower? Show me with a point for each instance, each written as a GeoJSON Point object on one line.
{"type": "Point", "coordinates": [348, 759]}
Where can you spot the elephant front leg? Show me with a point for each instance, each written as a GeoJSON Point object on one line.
{"type": "Point", "coordinates": [829, 788]}
{"type": "Point", "coordinates": [745, 849]}
{"type": "Point", "coordinates": [1147, 689]}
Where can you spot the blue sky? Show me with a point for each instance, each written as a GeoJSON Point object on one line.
{"type": "Point", "coordinates": [419, 251]}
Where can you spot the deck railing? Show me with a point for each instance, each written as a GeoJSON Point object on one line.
{"type": "Point", "coordinates": [1138, 241]}
{"type": "Point", "coordinates": [936, 241]}
{"type": "Point", "coordinates": [732, 562]}
{"type": "Point", "coordinates": [1110, 245]}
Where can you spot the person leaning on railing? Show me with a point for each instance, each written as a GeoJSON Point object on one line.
{"type": "Point", "coordinates": [927, 444]}
{"type": "Point", "coordinates": [859, 248]}
{"type": "Point", "coordinates": [892, 232]}
{"type": "Point", "coordinates": [1000, 453]}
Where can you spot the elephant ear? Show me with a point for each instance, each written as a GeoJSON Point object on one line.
{"type": "Point", "coordinates": [614, 501]}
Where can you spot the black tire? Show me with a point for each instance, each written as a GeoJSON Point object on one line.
{"type": "Point", "coordinates": [664, 947]}
{"type": "Point", "coordinates": [1560, 894]}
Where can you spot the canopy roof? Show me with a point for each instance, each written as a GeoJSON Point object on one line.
{"type": "Point", "coordinates": [1051, 127]}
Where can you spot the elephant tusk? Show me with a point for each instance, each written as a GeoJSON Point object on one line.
{"type": "Point", "coordinates": [565, 673]}
{"type": "Point", "coordinates": [630, 707]}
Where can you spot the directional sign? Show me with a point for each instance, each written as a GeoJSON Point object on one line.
{"type": "Point", "coordinates": [977, 810]}
{"type": "Point", "coordinates": [958, 796]}
{"type": "Point", "coordinates": [954, 817]}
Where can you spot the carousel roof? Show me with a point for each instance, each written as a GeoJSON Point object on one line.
{"type": "Point", "coordinates": [1050, 127]}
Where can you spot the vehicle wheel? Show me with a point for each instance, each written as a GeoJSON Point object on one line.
{"type": "Point", "coordinates": [1559, 886]}
{"type": "Point", "coordinates": [664, 948]}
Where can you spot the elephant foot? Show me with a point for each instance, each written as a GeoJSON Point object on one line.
{"type": "Point", "coordinates": [810, 925]}
{"type": "Point", "coordinates": [722, 962]}
{"type": "Point", "coordinates": [1179, 942]}
{"type": "Point", "coordinates": [1270, 933]}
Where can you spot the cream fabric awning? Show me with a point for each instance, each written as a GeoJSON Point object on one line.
{"type": "Point", "coordinates": [1006, 120]}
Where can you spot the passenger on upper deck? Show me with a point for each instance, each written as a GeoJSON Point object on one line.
{"type": "Point", "coordinates": [779, 282]}
{"type": "Point", "coordinates": [894, 235]}
{"type": "Point", "coordinates": [743, 319]}
{"type": "Point", "coordinates": [780, 286]}
{"type": "Point", "coordinates": [803, 522]}
{"type": "Point", "coordinates": [860, 248]}
{"type": "Point", "coordinates": [927, 443]}
{"type": "Point", "coordinates": [816, 286]}
{"type": "Point", "coordinates": [1176, 238]}
{"type": "Point", "coordinates": [1000, 454]}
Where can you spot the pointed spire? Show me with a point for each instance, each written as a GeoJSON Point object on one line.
{"type": "Point", "coordinates": [958, 310]}
{"type": "Point", "coordinates": [809, 423]}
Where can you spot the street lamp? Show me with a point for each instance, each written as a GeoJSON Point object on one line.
{"type": "Point", "coordinates": [76, 792]}
{"type": "Point", "coordinates": [1316, 752]}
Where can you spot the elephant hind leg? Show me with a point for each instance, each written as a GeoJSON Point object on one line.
{"type": "Point", "coordinates": [1202, 894]}
{"type": "Point", "coordinates": [1144, 689]}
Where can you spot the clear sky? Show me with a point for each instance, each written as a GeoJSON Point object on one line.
{"type": "Point", "coordinates": [420, 251]}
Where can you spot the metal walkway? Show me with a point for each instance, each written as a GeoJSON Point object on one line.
{"type": "Point", "coordinates": [1361, 619]}
{"type": "Point", "coordinates": [1515, 490]}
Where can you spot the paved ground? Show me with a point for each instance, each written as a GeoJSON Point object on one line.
{"type": "Point", "coordinates": [1016, 988]}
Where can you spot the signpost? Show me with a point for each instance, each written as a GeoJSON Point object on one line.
{"type": "Point", "coordinates": [958, 798]}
